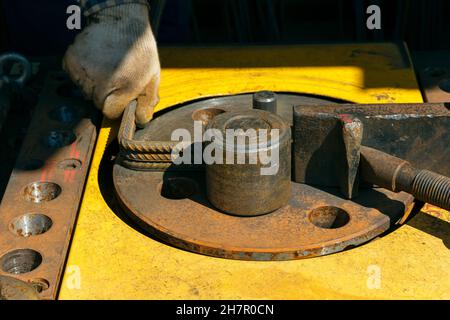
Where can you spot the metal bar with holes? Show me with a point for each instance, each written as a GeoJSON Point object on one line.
{"type": "Point", "coordinates": [40, 205]}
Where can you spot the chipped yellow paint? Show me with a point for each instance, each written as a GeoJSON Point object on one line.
{"type": "Point", "coordinates": [114, 261]}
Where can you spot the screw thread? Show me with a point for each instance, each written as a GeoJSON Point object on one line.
{"type": "Point", "coordinates": [432, 188]}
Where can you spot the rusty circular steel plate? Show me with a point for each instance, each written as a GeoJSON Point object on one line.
{"type": "Point", "coordinates": [161, 128]}
{"type": "Point", "coordinates": [172, 205]}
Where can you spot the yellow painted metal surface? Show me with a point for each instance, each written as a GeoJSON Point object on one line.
{"type": "Point", "coordinates": [110, 260]}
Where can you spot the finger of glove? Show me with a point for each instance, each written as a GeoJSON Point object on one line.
{"type": "Point", "coordinates": [115, 102]}
{"type": "Point", "coordinates": [147, 101]}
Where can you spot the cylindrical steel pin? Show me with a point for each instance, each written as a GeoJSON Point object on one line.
{"type": "Point", "coordinates": [265, 100]}
{"type": "Point", "coordinates": [239, 185]}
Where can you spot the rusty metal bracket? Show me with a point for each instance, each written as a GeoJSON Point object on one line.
{"type": "Point", "coordinates": [40, 205]}
{"type": "Point", "coordinates": [329, 142]}
{"type": "Point", "coordinates": [418, 133]}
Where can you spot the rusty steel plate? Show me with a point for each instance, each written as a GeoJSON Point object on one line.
{"type": "Point", "coordinates": [163, 125]}
{"type": "Point", "coordinates": [172, 205]}
{"type": "Point", "coordinates": [14, 289]}
{"type": "Point", "coordinates": [40, 205]}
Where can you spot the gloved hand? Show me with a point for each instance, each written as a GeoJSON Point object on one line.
{"type": "Point", "coordinates": [115, 60]}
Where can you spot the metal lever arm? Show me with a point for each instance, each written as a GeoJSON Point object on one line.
{"type": "Point", "coordinates": [396, 174]}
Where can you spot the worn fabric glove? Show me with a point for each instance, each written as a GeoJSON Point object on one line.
{"type": "Point", "coordinates": [115, 60]}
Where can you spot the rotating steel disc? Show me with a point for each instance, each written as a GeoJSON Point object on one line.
{"type": "Point", "coordinates": [172, 205]}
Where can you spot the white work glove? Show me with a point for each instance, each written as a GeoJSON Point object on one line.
{"type": "Point", "coordinates": [115, 61]}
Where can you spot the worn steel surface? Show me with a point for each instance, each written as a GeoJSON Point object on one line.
{"type": "Point", "coordinates": [151, 147]}
{"type": "Point", "coordinates": [328, 142]}
{"type": "Point", "coordinates": [433, 70]}
{"type": "Point", "coordinates": [248, 185]}
{"type": "Point", "coordinates": [39, 207]}
{"type": "Point", "coordinates": [411, 262]}
{"type": "Point", "coordinates": [397, 175]}
{"type": "Point", "coordinates": [186, 209]}
{"type": "Point", "coordinates": [173, 206]}
{"type": "Point", "coordinates": [418, 133]}
{"type": "Point", "coordinates": [14, 289]}
{"type": "Point", "coordinates": [265, 100]}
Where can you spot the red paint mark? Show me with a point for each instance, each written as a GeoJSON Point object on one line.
{"type": "Point", "coordinates": [70, 174]}
{"type": "Point", "coordinates": [47, 174]}
{"type": "Point", "coordinates": [67, 176]}
{"type": "Point", "coordinates": [43, 174]}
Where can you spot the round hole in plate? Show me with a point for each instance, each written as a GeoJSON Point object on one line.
{"type": "Point", "coordinates": [31, 224]}
{"type": "Point", "coordinates": [70, 164]}
{"type": "Point", "coordinates": [20, 261]}
{"type": "Point", "coordinates": [40, 284]}
{"type": "Point", "coordinates": [64, 114]}
{"type": "Point", "coordinates": [206, 115]}
{"type": "Point", "coordinates": [38, 192]}
{"type": "Point", "coordinates": [445, 85]}
{"type": "Point", "coordinates": [329, 217]}
{"type": "Point", "coordinates": [177, 188]}
{"type": "Point", "coordinates": [59, 138]}
{"type": "Point", "coordinates": [12, 288]}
